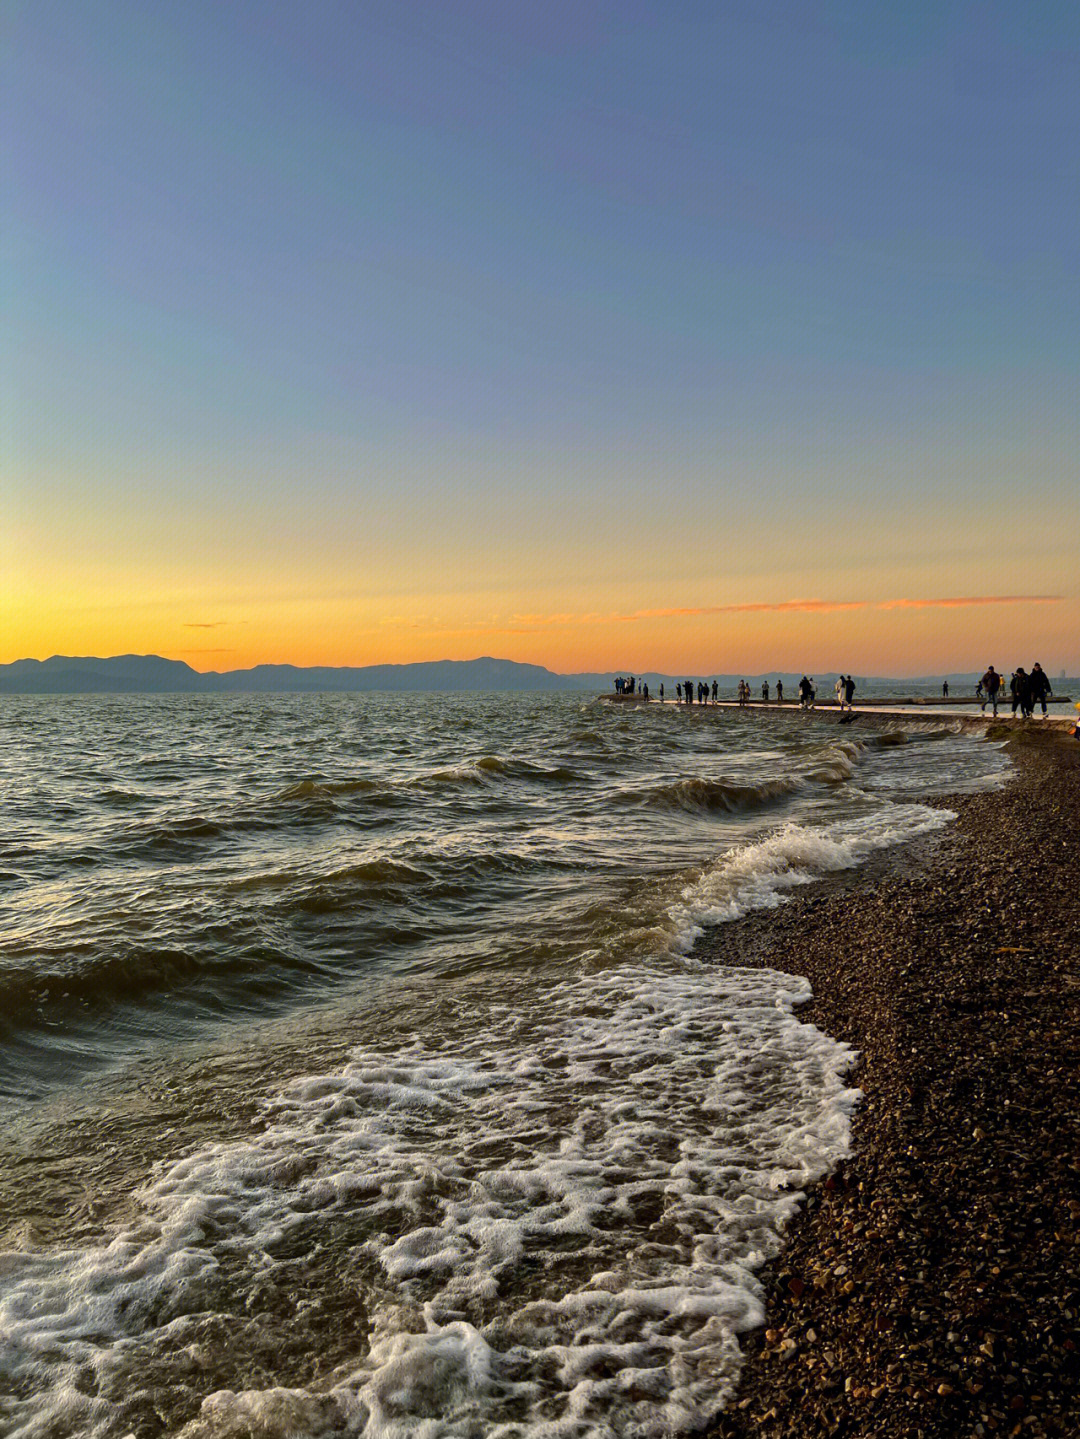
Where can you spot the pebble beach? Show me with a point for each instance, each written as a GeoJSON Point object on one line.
{"type": "Point", "coordinates": [930, 1288]}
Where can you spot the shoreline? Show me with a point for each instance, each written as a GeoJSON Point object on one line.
{"type": "Point", "coordinates": [930, 1287]}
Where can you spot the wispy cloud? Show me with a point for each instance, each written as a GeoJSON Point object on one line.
{"type": "Point", "coordinates": [961, 602]}
{"type": "Point", "coordinates": [808, 607]}
{"type": "Point", "coordinates": [203, 624]}
{"type": "Point", "coordinates": [531, 623]}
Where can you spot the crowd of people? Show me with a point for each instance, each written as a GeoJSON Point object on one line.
{"type": "Point", "coordinates": [1026, 690]}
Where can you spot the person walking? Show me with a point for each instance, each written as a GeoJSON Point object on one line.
{"type": "Point", "coordinates": [1039, 686]}
{"type": "Point", "coordinates": [805, 691]}
{"type": "Point", "coordinates": [849, 691]}
{"type": "Point", "coordinates": [838, 689]}
{"type": "Point", "coordinates": [991, 685]}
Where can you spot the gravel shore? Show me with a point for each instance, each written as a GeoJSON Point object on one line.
{"type": "Point", "coordinates": [931, 1287]}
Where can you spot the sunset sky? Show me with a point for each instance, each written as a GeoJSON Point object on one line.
{"type": "Point", "coordinates": [601, 334]}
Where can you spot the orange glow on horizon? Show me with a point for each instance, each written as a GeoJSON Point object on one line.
{"type": "Point", "coordinates": [891, 636]}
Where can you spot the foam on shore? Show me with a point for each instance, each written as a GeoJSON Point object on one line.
{"type": "Point", "coordinates": [654, 1132]}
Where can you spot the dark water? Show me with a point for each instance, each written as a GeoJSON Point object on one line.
{"type": "Point", "coordinates": [357, 1075]}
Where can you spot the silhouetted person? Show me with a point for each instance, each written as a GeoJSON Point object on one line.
{"type": "Point", "coordinates": [779, 692]}
{"type": "Point", "coordinates": [849, 689]}
{"type": "Point", "coordinates": [945, 690]}
{"type": "Point", "coordinates": [805, 691]}
{"type": "Point", "coordinates": [1039, 686]}
{"type": "Point", "coordinates": [1020, 685]}
{"type": "Point", "coordinates": [765, 690]}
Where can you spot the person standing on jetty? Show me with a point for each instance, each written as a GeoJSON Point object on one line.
{"type": "Point", "coordinates": [1020, 685]}
{"type": "Point", "coordinates": [849, 691]}
{"type": "Point", "coordinates": [779, 692]}
{"type": "Point", "coordinates": [765, 690]}
{"type": "Point", "coordinates": [945, 689]}
{"type": "Point", "coordinates": [991, 684]}
{"type": "Point", "coordinates": [805, 691]}
{"type": "Point", "coordinates": [1039, 686]}
{"type": "Point", "coordinates": [838, 689]}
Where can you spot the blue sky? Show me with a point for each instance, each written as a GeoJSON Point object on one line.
{"type": "Point", "coordinates": [488, 289]}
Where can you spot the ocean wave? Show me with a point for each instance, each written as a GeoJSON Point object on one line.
{"type": "Point", "coordinates": [888, 739]}
{"type": "Point", "coordinates": [838, 763]}
{"type": "Point", "coordinates": [522, 769]}
{"type": "Point", "coordinates": [37, 993]}
{"type": "Point", "coordinates": [120, 798]}
{"type": "Point", "coordinates": [699, 793]}
{"type": "Point", "coordinates": [325, 789]}
{"type": "Point", "coordinates": [371, 873]}
{"type": "Point", "coordinates": [173, 834]}
{"type": "Point", "coordinates": [69, 986]}
{"type": "Point", "coordinates": [758, 875]}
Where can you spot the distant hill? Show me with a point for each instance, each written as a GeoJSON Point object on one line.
{"type": "Point", "coordinates": [151, 674]}
{"type": "Point", "coordinates": [122, 674]}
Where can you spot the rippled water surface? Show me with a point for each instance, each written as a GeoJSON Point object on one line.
{"type": "Point", "coordinates": [357, 1074]}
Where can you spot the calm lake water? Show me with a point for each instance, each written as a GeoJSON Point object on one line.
{"type": "Point", "coordinates": [358, 1078]}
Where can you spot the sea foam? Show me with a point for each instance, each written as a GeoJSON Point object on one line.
{"type": "Point", "coordinates": [652, 1128]}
